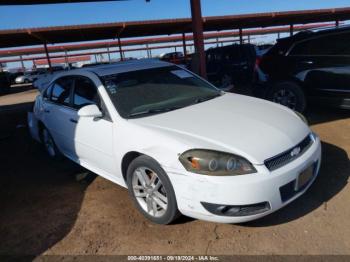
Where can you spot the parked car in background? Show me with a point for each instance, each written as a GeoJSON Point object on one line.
{"type": "Point", "coordinates": [5, 82]}
{"type": "Point", "coordinates": [231, 65]}
{"type": "Point", "coordinates": [179, 145]}
{"type": "Point", "coordinates": [173, 57]}
{"type": "Point", "coordinates": [309, 66]}
{"type": "Point", "coordinates": [29, 77]}
{"type": "Point", "coordinates": [13, 77]}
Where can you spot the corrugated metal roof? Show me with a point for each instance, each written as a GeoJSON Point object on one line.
{"type": "Point", "coordinates": [91, 32]}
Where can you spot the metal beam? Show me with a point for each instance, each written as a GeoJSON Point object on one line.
{"type": "Point", "coordinates": [109, 54]}
{"type": "Point", "coordinates": [184, 44]}
{"type": "Point", "coordinates": [197, 27]}
{"type": "Point", "coordinates": [241, 36]}
{"type": "Point", "coordinates": [48, 57]}
{"type": "Point", "coordinates": [120, 49]}
{"type": "Point", "coordinates": [22, 63]}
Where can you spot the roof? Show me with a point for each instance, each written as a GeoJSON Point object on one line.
{"type": "Point", "coordinates": [121, 67]}
{"type": "Point", "coordinates": [90, 32]}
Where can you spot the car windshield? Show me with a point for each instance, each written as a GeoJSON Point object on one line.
{"type": "Point", "coordinates": [156, 90]}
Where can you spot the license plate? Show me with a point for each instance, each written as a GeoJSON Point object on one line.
{"type": "Point", "coordinates": [304, 177]}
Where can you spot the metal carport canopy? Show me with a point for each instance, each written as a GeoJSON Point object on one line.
{"type": "Point", "coordinates": [90, 32]}
{"type": "Point", "coordinates": [143, 41]}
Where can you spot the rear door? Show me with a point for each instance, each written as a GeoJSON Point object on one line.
{"type": "Point", "coordinates": [57, 115]}
{"type": "Point", "coordinates": [323, 64]}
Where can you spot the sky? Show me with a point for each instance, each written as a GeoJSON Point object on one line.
{"type": "Point", "coordinates": [13, 17]}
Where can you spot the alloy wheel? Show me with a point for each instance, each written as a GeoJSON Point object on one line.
{"type": "Point", "coordinates": [149, 191]}
{"type": "Point", "coordinates": [285, 97]}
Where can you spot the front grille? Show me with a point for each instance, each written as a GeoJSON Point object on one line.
{"type": "Point", "coordinates": [287, 156]}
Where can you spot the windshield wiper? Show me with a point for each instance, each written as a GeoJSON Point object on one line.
{"type": "Point", "coordinates": [153, 111]}
{"type": "Point", "coordinates": [206, 98]}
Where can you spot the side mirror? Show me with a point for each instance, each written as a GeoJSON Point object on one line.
{"type": "Point", "coordinates": [90, 111]}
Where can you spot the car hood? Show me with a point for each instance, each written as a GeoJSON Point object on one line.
{"type": "Point", "coordinates": [253, 128]}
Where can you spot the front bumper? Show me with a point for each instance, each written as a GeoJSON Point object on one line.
{"type": "Point", "coordinates": [192, 190]}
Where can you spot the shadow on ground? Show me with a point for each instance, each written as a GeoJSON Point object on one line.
{"type": "Point", "coordinates": [17, 89]}
{"type": "Point", "coordinates": [40, 197]}
{"type": "Point", "coordinates": [317, 114]}
{"type": "Point", "coordinates": [332, 178]}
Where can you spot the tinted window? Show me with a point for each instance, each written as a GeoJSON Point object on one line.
{"type": "Point", "coordinates": [336, 44]}
{"type": "Point", "coordinates": [61, 90]}
{"type": "Point", "coordinates": [48, 91]}
{"type": "Point", "coordinates": [156, 90]}
{"type": "Point", "coordinates": [85, 93]}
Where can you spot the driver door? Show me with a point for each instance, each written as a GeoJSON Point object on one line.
{"type": "Point", "coordinates": [94, 136]}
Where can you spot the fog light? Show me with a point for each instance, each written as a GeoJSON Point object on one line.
{"type": "Point", "coordinates": [236, 210]}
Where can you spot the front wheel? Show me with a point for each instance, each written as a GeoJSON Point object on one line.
{"type": "Point", "coordinates": [151, 190]}
{"type": "Point", "coordinates": [288, 94]}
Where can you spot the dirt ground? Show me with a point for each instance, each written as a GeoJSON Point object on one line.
{"type": "Point", "coordinates": [45, 210]}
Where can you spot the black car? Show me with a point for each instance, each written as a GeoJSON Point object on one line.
{"type": "Point", "coordinates": [231, 65]}
{"type": "Point", "coordinates": [5, 82]}
{"type": "Point", "coordinates": [309, 66]}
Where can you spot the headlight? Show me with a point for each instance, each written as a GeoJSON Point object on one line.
{"type": "Point", "coordinates": [302, 117]}
{"type": "Point", "coordinates": [213, 163]}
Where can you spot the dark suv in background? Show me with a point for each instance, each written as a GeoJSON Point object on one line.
{"type": "Point", "coordinates": [309, 66]}
{"type": "Point", "coordinates": [5, 82]}
{"type": "Point", "coordinates": [231, 66]}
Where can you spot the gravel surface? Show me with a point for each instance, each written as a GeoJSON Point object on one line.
{"type": "Point", "coordinates": [44, 209]}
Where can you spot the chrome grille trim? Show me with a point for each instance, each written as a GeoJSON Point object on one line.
{"type": "Point", "coordinates": [286, 157]}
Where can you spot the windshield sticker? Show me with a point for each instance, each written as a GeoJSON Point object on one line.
{"type": "Point", "coordinates": [181, 73]}
{"type": "Point", "coordinates": [111, 87]}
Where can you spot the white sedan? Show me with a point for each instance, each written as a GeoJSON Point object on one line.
{"type": "Point", "coordinates": [177, 143]}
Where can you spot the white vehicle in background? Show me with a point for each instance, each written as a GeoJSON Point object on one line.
{"type": "Point", "coordinates": [26, 78]}
{"type": "Point", "coordinates": [177, 143]}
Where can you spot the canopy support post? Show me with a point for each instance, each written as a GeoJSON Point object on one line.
{"type": "Point", "coordinates": [48, 57]}
{"type": "Point", "coordinates": [197, 25]}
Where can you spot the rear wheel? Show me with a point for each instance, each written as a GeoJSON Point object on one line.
{"type": "Point", "coordinates": [49, 144]}
{"type": "Point", "coordinates": [151, 190]}
{"type": "Point", "coordinates": [288, 94]}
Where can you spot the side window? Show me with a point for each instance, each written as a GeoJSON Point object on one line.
{"type": "Point", "coordinates": [47, 92]}
{"type": "Point", "coordinates": [335, 44]}
{"type": "Point", "coordinates": [61, 91]}
{"type": "Point", "coordinates": [85, 93]}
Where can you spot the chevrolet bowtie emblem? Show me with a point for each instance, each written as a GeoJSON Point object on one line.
{"type": "Point", "coordinates": [295, 152]}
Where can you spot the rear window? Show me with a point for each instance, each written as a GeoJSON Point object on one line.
{"type": "Point", "coordinates": [335, 44]}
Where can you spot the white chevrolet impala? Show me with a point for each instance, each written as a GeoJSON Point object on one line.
{"type": "Point", "coordinates": [177, 143]}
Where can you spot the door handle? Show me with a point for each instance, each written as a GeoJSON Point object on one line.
{"type": "Point", "coordinates": [46, 111]}
{"type": "Point", "coordinates": [73, 120]}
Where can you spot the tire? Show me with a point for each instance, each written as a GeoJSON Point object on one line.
{"type": "Point", "coordinates": [155, 200]}
{"type": "Point", "coordinates": [49, 144]}
{"type": "Point", "coordinates": [288, 94]}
